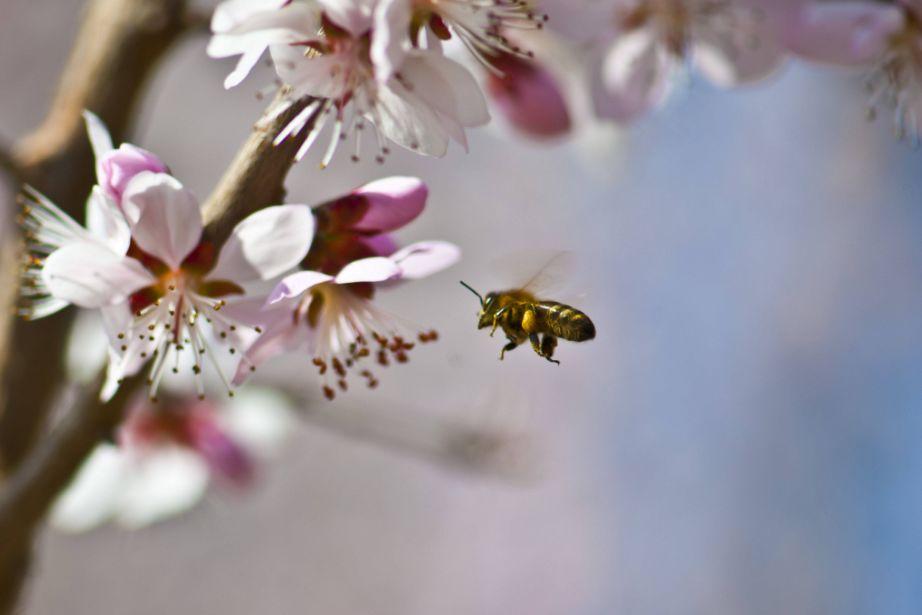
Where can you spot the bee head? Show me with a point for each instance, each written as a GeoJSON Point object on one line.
{"type": "Point", "coordinates": [485, 304]}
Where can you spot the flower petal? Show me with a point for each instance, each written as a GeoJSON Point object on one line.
{"type": "Point", "coordinates": [260, 418]}
{"type": "Point", "coordinates": [371, 269]}
{"type": "Point", "coordinates": [281, 336]}
{"type": "Point", "coordinates": [163, 483]}
{"type": "Point", "coordinates": [165, 217]}
{"type": "Point", "coordinates": [424, 258]}
{"type": "Point", "coordinates": [92, 276]}
{"type": "Point", "coordinates": [351, 15]}
{"type": "Point", "coordinates": [232, 13]}
{"type": "Point", "coordinates": [750, 54]}
{"type": "Point", "coordinates": [107, 222]}
{"type": "Point", "coordinates": [91, 497]}
{"type": "Point", "coordinates": [844, 33]}
{"type": "Point", "coordinates": [635, 74]}
{"type": "Point", "coordinates": [392, 22]}
{"type": "Point", "coordinates": [266, 244]}
{"type": "Point", "coordinates": [296, 284]}
{"type": "Point", "coordinates": [392, 202]}
{"type": "Point", "coordinates": [100, 139]}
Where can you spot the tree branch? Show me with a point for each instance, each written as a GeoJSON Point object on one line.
{"type": "Point", "coordinates": [256, 177]}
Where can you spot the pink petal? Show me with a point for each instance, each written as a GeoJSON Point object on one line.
{"type": "Point", "coordinates": [295, 285]}
{"type": "Point", "coordinates": [266, 244]}
{"type": "Point", "coordinates": [529, 97]}
{"type": "Point", "coordinates": [392, 203]}
{"type": "Point", "coordinates": [380, 245]}
{"type": "Point", "coordinates": [91, 275]}
{"type": "Point", "coordinates": [845, 33]}
{"type": "Point", "coordinates": [371, 269]}
{"type": "Point", "coordinates": [281, 336]}
{"type": "Point", "coordinates": [165, 217]}
{"type": "Point", "coordinates": [424, 258]}
{"type": "Point", "coordinates": [118, 167]}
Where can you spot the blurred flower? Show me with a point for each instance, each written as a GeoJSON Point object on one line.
{"type": "Point", "coordinates": [323, 51]}
{"type": "Point", "coordinates": [116, 167]}
{"type": "Point", "coordinates": [651, 40]}
{"type": "Point", "coordinates": [167, 453]}
{"type": "Point", "coordinates": [887, 37]}
{"type": "Point", "coordinates": [529, 97]}
{"type": "Point", "coordinates": [334, 320]}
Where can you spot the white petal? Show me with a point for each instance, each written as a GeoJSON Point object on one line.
{"type": "Point", "coordinates": [388, 43]}
{"type": "Point", "coordinates": [424, 258]}
{"type": "Point", "coordinates": [90, 275]}
{"type": "Point", "coordinates": [100, 139]}
{"type": "Point", "coordinates": [162, 484]}
{"type": "Point", "coordinates": [408, 121]}
{"type": "Point", "coordinates": [91, 497]}
{"type": "Point", "coordinates": [635, 76]}
{"type": "Point", "coordinates": [372, 269]}
{"type": "Point", "coordinates": [727, 60]}
{"type": "Point", "coordinates": [259, 418]}
{"type": "Point", "coordinates": [447, 87]}
{"type": "Point", "coordinates": [165, 217]}
{"type": "Point", "coordinates": [352, 15]}
{"type": "Point", "coordinates": [266, 244]}
{"type": "Point", "coordinates": [234, 13]}
{"type": "Point", "coordinates": [107, 222]}
{"type": "Point", "coordinates": [296, 284]}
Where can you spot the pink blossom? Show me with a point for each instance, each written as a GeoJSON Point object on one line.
{"type": "Point", "coordinates": [116, 167]}
{"type": "Point", "coordinates": [356, 225]}
{"type": "Point", "coordinates": [333, 319]}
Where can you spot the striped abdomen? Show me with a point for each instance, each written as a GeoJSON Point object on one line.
{"type": "Point", "coordinates": [565, 322]}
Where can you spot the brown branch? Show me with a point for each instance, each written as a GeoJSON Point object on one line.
{"type": "Point", "coordinates": [256, 177]}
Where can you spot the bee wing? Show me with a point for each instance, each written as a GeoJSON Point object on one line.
{"type": "Point", "coordinates": [540, 272]}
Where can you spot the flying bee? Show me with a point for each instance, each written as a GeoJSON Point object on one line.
{"type": "Point", "coordinates": [523, 316]}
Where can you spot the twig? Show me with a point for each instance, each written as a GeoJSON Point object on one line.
{"type": "Point", "coordinates": [8, 163]}
{"type": "Point", "coordinates": [256, 177]}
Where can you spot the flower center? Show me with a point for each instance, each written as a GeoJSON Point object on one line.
{"type": "Point", "coordinates": [348, 332]}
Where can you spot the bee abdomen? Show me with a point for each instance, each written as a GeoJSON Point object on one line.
{"type": "Point", "coordinates": [567, 322]}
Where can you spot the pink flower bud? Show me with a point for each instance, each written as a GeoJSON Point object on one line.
{"type": "Point", "coordinates": [529, 97]}
{"type": "Point", "coordinates": [117, 167]}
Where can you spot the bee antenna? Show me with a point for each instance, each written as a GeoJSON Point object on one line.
{"type": "Point", "coordinates": [467, 286]}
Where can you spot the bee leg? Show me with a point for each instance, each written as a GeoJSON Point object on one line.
{"type": "Point", "coordinates": [496, 322]}
{"type": "Point", "coordinates": [539, 347]}
{"type": "Point", "coordinates": [548, 344]}
{"type": "Point", "coordinates": [512, 345]}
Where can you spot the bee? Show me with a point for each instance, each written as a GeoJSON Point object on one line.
{"type": "Point", "coordinates": [523, 316]}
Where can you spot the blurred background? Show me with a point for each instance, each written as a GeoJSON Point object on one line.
{"type": "Point", "coordinates": [742, 436]}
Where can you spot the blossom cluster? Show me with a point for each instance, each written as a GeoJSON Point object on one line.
{"type": "Point", "coordinates": [405, 69]}
{"type": "Point", "coordinates": [171, 300]}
